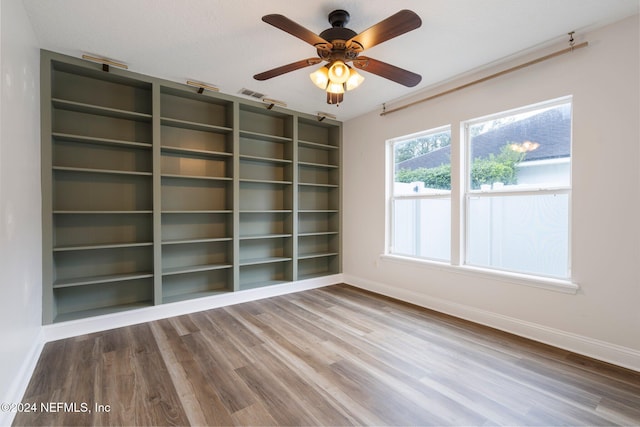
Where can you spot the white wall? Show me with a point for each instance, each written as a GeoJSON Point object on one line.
{"type": "Point", "coordinates": [603, 318]}
{"type": "Point", "coordinates": [20, 229]}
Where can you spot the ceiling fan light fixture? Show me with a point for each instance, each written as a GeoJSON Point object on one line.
{"type": "Point", "coordinates": [339, 45]}
{"type": "Point", "coordinates": [320, 77]}
{"type": "Point", "coordinates": [339, 72]}
{"type": "Point", "coordinates": [354, 80]}
{"type": "Point", "coordinates": [335, 87]}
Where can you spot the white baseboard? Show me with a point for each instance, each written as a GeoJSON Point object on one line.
{"type": "Point", "coordinates": [22, 378]}
{"type": "Point", "coordinates": [597, 349]}
{"type": "Point", "coordinates": [116, 320]}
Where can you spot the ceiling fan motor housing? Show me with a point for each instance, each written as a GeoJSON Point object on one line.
{"type": "Point", "coordinates": [337, 35]}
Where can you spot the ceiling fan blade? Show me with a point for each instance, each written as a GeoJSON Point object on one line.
{"type": "Point", "coordinates": [394, 26]}
{"type": "Point", "coordinates": [287, 68]}
{"type": "Point", "coordinates": [388, 71]}
{"type": "Point", "coordinates": [295, 29]}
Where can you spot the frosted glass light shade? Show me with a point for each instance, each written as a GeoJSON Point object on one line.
{"type": "Point", "coordinates": [320, 77]}
{"type": "Point", "coordinates": [335, 87]}
{"type": "Point", "coordinates": [354, 79]}
{"type": "Point", "coordinates": [338, 72]}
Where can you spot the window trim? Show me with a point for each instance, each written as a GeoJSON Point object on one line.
{"type": "Point", "coordinates": [541, 282]}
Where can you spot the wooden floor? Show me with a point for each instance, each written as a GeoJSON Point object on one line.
{"type": "Point", "coordinates": [330, 356]}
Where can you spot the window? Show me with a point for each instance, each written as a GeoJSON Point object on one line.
{"type": "Point", "coordinates": [421, 206]}
{"type": "Point", "coordinates": [513, 209]}
{"type": "Point", "coordinates": [518, 188]}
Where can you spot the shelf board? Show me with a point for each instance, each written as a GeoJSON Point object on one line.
{"type": "Point", "coordinates": [103, 246]}
{"type": "Point", "coordinates": [203, 211]}
{"type": "Point", "coordinates": [194, 269]}
{"type": "Point", "coordinates": [103, 171]}
{"type": "Point", "coordinates": [317, 233]}
{"type": "Point", "coordinates": [100, 141]}
{"type": "Point", "coordinates": [259, 211]}
{"type": "Point", "coordinates": [268, 260]}
{"type": "Point", "coordinates": [317, 211]}
{"type": "Point", "coordinates": [193, 295]}
{"type": "Point", "coordinates": [202, 240]}
{"type": "Point", "coordinates": [81, 107]}
{"type": "Point", "coordinates": [194, 151]}
{"type": "Point", "coordinates": [185, 124]}
{"type": "Point", "coordinates": [94, 280]}
{"type": "Point", "coordinates": [211, 178]}
{"type": "Point", "coordinates": [264, 236]}
{"type": "Point", "coordinates": [317, 255]}
{"type": "Point", "coordinates": [101, 212]}
{"type": "Point", "coordinates": [264, 159]}
{"type": "Point", "coordinates": [311, 184]}
{"type": "Point", "coordinates": [264, 136]}
{"type": "Point", "coordinates": [65, 317]}
{"type": "Point", "coordinates": [316, 145]}
{"type": "Point", "coordinates": [265, 181]}
{"type": "Point", "coordinates": [317, 165]}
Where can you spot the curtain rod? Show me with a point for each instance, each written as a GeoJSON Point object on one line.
{"type": "Point", "coordinates": [492, 76]}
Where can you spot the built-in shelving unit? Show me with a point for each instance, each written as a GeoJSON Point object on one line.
{"type": "Point", "coordinates": [153, 193]}
{"type": "Point", "coordinates": [266, 197]}
{"type": "Point", "coordinates": [319, 198]}
{"type": "Point", "coordinates": [99, 168]}
{"type": "Point", "coordinates": [196, 139]}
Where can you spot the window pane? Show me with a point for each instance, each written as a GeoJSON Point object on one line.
{"type": "Point", "coordinates": [423, 164]}
{"type": "Point", "coordinates": [522, 151]}
{"type": "Point", "coordinates": [526, 234]}
{"type": "Point", "coordinates": [422, 228]}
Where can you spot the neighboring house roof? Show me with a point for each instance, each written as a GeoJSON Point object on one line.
{"type": "Point", "coordinates": [551, 129]}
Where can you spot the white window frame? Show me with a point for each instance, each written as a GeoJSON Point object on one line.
{"type": "Point", "coordinates": [417, 197]}
{"type": "Point", "coordinates": [460, 193]}
{"type": "Point", "coordinates": [541, 190]}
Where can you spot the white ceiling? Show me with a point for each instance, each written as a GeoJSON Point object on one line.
{"type": "Point", "coordinates": [225, 42]}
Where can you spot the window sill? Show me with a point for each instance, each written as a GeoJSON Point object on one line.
{"type": "Point", "coordinates": [557, 285]}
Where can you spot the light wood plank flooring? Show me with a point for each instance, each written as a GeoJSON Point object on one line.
{"type": "Point", "coordinates": [331, 356]}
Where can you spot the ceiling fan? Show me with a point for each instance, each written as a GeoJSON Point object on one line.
{"type": "Point", "coordinates": [339, 45]}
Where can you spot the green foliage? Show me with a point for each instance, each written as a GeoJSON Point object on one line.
{"type": "Point", "coordinates": [500, 168]}
{"type": "Point", "coordinates": [438, 177]}
{"type": "Point", "coordinates": [421, 145]}
{"type": "Point", "coordinates": [495, 168]}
